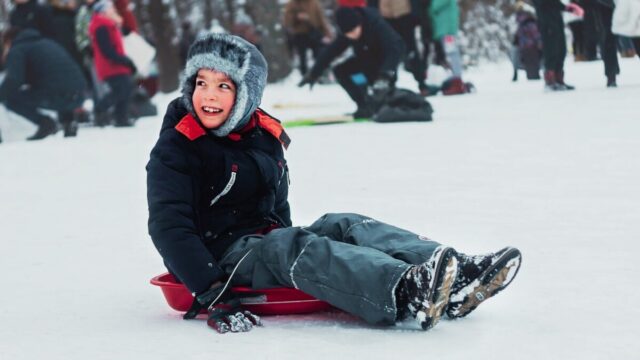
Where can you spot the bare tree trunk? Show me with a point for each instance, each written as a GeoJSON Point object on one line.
{"type": "Point", "coordinates": [167, 54]}
{"type": "Point", "coordinates": [266, 16]}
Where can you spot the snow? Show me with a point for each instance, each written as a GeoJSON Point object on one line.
{"type": "Point", "coordinates": [555, 175]}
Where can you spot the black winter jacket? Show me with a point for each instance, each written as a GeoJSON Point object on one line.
{"type": "Point", "coordinates": [378, 44]}
{"type": "Point", "coordinates": [204, 192]}
{"type": "Point", "coordinates": [42, 64]}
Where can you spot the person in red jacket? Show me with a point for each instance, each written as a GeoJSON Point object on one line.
{"type": "Point", "coordinates": [111, 64]}
{"type": "Point", "coordinates": [352, 3]}
{"type": "Point", "coordinates": [129, 22]}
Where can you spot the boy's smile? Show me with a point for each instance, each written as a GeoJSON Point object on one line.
{"type": "Point", "coordinates": [213, 97]}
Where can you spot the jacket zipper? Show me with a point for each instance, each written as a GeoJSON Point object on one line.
{"type": "Point", "coordinates": [227, 188]}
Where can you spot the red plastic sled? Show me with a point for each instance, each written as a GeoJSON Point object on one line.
{"type": "Point", "coordinates": [275, 301]}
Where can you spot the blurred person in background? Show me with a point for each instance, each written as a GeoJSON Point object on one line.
{"type": "Point", "coordinates": [608, 45]}
{"type": "Point", "coordinates": [40, 74]}
{"type": "Point", "coordinates": [401, 16]}
{"type": "Point", "coordinates": [626, 21]}
{"type": "Point", "coordinates": [129, 22]}
{"type": "Point", "coordinates": [308, 28]}
{"type": "Point", "coordinates": [377, 52]}
{"type": "Point", "coordinates": [111, 64]}
{"type": "Point", "coordinates": [554, 43]}
{"type": "Point", "coordinates": [64, 20]}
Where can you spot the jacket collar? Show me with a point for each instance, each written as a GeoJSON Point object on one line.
{"type": "Point", "coordinates": [192, 129]}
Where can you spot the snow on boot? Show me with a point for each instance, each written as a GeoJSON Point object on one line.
{"type": "Point", "coordinates": [424, 289]}
{"type": "Point", "coordinates": [481, 277]}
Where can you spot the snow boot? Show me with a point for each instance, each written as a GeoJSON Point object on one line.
{"type": "Point", "coordinates": [560, 81]}
{"type": "Point", "coordinates": [364, 111]}
{"type": "Point", "coordinates": [124, 122]}
{"type": "Point", "coordinates": [550, 83]}
{"type": "Point", "coordinates": [611, 81]}
{"type": "Point", "coordinates": [481, 277]}
{"type": "Point", "coordinates": [424, 289]}
{"type": "Point", "coordinates": [47, 126]}
{"type": "Point", "coordinates": [454, 86]}
{"type": "Point", "coordinates": [101, 119]}
{"type": "Point", "coordinates": [69, 121]}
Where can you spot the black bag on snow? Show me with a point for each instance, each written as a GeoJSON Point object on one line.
{"type": "Point", "coordinates": [403, 105]}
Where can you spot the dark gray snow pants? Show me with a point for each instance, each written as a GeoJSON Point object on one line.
{"type": "Point", "coordinates": [348, 260]}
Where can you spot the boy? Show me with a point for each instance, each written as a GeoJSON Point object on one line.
{"type": "Point", "coordinates": [217, 188]}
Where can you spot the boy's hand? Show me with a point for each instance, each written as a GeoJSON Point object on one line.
{"type": "Point", "coordinates": [225, 312]}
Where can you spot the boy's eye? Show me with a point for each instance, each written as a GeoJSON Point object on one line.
{"type": "Point", "coordinates": [200, 83]}
{"type": "Point", "coordinates": [225, 86]}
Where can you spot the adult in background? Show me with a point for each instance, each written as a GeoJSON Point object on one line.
{"type": "Point", "coordinates": [400, 15]}
{"type": "Point", "coordinates": [41, 75]}
{"type": "Point", "coordinates": [30, 14]}
{"type": "Point", "coordinates": [111, 64]}
{"type": "Point", "coordinates": [129, 22]}
{"type": "Point", "coordinates": [378, 50]}
{"type": "Point", "coordinates": [64, 19]}
{"type": "Point", "coordinates": [445, 20]}
{"type": "Point", "coordinates": [608, 43]}
{"type": "Point", "coordinates": [307, 26]}
{"type": "Point", "coordinates": [554, 44]}
{"type": "Point", "coordinates": [626, 21]}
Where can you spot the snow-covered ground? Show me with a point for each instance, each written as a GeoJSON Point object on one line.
{"type": "Point", "coordinates": [556, 175]}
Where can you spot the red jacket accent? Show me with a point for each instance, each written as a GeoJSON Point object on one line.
{"type": "Point", "coordinates": [352, 3]}
{"type": "Point", "coordinates": [128, 19]}
{"type": "Point", "coordinates": [190, 127]}
{"type": "Point", "coordinates": [105, 68]}
{"type": "Point", "coordinates": [267, 122]}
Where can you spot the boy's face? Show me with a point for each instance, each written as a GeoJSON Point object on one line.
{"type": "Point", "coordinates": [213, 97]}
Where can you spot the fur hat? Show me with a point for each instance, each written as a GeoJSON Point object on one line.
{"type": "Point", "coordinates": [348, 18]}
{"type": "Point", "coordinates": [241, 61]}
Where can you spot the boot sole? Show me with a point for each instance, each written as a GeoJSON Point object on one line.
{"type": "Point", "coordinates": [446, 271]}
{"type": "Point", "coordinates": [491, 282]}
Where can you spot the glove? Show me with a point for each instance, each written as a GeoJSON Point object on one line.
{"type": "Point", "coordinates": [307, 79]}
{"type": "Point", "coordinates": [225, 312]}
{"type": "Point", "coordinates": [575, 9]}
{"type": "Point", "coordinates": [131, 66]}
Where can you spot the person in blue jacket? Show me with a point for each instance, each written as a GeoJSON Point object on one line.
{"type": "Point", "coordinates": [217, 190]}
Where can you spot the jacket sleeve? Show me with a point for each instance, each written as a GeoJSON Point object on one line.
{"type": "Point", "coordinates": [172, 214]}
{"type": "Point", "coordinates": [107, 49]}
{"type": "Point", "coordinates": [15, 74]}
{"type": "Point", "coordinates": [328, 54]}
{"type": "Point", "coordinates": [282, 208]}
